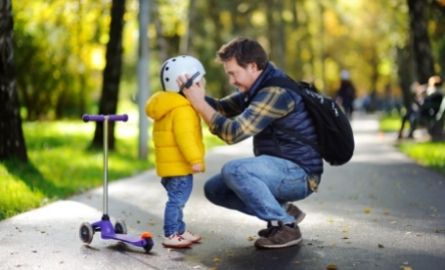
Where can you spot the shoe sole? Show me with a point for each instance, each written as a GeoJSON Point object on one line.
{"type": "Point", "coordinates": [177, 246]}
{"type": "Point", "coordinates": [288, 244]}
{"type": "Point", "coordinates": [196, 241]}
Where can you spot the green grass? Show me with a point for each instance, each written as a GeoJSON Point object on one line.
{"type": "Point", "coordinates": [428, 154]}
{"type": "Point", "coordinates": [391, 123]}
{"type": "Point", "coordinates": [61, 164]}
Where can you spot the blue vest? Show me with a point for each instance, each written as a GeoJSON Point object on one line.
{"type": "Point", "coordinates": [277, 139]}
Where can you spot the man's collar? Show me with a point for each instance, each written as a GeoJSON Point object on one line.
{"type": "Point", "coordinates": [256, 85]}
{"type": "Point", "coordinates": [260, 78]}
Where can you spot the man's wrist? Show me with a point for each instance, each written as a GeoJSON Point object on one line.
{"type": "Point", "coordinates": [206, 111]}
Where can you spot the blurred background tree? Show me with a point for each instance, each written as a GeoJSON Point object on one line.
{"type": "Point", "coordinates": [60, 45]}
{"type": "Point", "coordinates": [111, 74]}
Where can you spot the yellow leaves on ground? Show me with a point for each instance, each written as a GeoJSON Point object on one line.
{"type": "Point", "coordinates": [367, 210]}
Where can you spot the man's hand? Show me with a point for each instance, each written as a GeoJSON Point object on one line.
{"type": "Point", "coordinates": [196, 95]}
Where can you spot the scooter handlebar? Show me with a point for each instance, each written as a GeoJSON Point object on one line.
{"type": "Point", "coordinates": [101, 117]}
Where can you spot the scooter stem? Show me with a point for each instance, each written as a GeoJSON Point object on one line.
{"type": "Point", "coordinates": [105, 156]}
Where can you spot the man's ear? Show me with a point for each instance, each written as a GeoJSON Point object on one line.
{"type": "Point", "coordinates": [252, 66]}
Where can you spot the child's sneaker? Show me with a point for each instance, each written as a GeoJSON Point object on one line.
{"type": "Point", "coordinates": [176, 241]}
{"type": "Point", "coordinates": [194, 238]}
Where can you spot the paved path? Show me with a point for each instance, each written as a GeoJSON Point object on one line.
{"type": "Point", "coordinates": [380, 211]}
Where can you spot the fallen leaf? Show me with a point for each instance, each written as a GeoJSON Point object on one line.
{"type": "Point", "coordinates": [250, 238]}
{"type": "Point", "coordinates": [380, 246]}
{"type": "Point", "coordinates": [331, 266]}
{"type": "Point", "coordinates": [367, 210]}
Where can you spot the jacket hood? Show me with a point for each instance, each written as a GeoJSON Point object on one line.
{"type": "Point", "coordinates": [161, 103]}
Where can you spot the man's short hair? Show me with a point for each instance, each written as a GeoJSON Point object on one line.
{"type": "Point", "coordinates": [245, 51]}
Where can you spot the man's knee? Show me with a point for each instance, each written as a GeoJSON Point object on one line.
{"type": "Point", "coordinates": [208, 191]}
{"type": "Point", "coordinates": [231, 173]}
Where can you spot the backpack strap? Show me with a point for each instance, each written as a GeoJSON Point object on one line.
{"type": "Point", "coordinates": [289, 83]}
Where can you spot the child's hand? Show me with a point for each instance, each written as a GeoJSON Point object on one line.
{"type": "Point", "coordinates": [197, 167]}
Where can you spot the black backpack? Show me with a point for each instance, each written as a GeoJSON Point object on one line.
{"type": "Point", "coordinates": [334, 132]}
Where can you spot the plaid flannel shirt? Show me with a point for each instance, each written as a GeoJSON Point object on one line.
{"type": "Point", "coordinates": [233, 122]}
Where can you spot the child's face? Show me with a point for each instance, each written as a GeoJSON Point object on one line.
{"type": "Point", "coordinates": [202, 82]}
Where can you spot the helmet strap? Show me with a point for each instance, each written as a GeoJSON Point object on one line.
{"type": "Point", "coordinates": [189, 82]}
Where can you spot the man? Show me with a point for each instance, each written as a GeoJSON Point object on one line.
{"type": "Point", "coordinates": [346, 93]}
{"type": "Point", "coordinates": [284, 168]}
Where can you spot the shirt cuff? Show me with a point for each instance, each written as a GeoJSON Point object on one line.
{"type": "Point", "coordinates": [216, 123]}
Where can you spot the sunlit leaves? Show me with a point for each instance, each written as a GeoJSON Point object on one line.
{"type": "Point", "coordinates": [259, 19]}
{"type": "Point", "coordinates": [173, 15]}
{"type": "Point", "coordinates": [309, 39]}
{"type": "Point", "coordinates": [58, 49]}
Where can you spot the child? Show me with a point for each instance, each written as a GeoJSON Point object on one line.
{"type": "Point", "coordinates": [179, 149]}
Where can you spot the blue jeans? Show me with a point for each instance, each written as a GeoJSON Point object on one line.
{"type": "Point", "coordinates": [259, 186]}
{"type": "Point", "coordinates": [178, 190]}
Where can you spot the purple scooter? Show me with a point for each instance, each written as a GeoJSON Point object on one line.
{"type": "Point", "coordinates": [119, 231]}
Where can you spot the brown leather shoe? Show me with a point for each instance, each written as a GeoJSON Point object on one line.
{"type": "Point", "coordinates": [291, 210]}
{"type": "Point", "coordinates": [280, 237]}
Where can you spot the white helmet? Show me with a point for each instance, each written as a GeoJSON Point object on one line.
{"type": "Point", "coordinates": [180, 65]}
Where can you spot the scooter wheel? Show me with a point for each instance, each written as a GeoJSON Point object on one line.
{"type": "Point", "coordinates": [120, 227]}
{"type": "Point", "coordinates": [86, 232]}
{"type": "Point", "coordinates": [148, 246]}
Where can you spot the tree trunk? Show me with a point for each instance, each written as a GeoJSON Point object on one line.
{"type": "Point", "coordinates": [297, 66]}
{"type": "Point", "coordinates": [12, 142]}
{"type": "Point", "coordinates": [420, 41]}
{"type": "Point", "coordinates": [112, 74]}
{"type": "Point", "coordinates": [404, 72]}
{"type": "Point", "coordinates": [186, 43]}
{"type": "Point", "coordinates": [321, 47]}
{"type": "Point", "coordinates": [143, 83]}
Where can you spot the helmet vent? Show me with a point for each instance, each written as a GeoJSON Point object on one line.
{"type": "Point", "coordinates": [180, 66]}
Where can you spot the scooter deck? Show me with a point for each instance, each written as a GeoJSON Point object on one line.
{"type": "Point", "coordinates": [125, 238]}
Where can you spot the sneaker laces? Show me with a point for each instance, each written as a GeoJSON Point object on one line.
{"type": "Point", "coordinates": [272, 230]}
{"type": "Point", "coordinates": [180, 238]}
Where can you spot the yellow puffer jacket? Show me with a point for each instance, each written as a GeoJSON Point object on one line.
{"type": "Point", "coordinates": [177, 134]}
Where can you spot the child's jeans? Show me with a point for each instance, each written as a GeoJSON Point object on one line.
{"type": "Point", "coordinates": [178, 189]}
